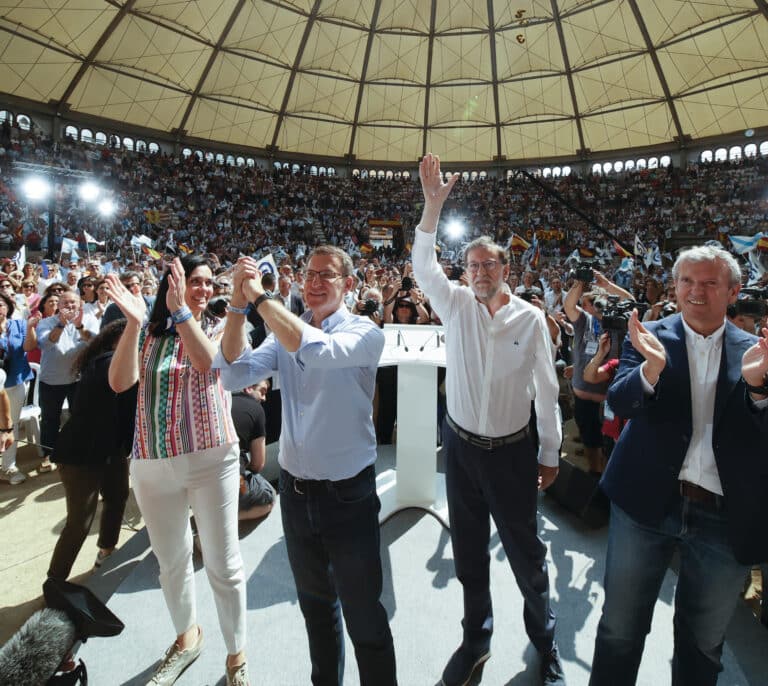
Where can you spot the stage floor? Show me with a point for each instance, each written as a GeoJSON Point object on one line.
{"type": "Point", "coordinates": [423, 599]}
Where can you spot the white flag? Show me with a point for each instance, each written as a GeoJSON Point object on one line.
{"type": "Point", "coordinates": [69, 245]}
{"type": "Point", "coordinates": [91, 239]}
{"type": "Point", "coordinates": [20, 258]}
{"type": "Point", "coordinates": [138, 241]}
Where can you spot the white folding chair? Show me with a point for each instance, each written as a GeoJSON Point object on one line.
{"type": "Point", "coordinates": [29, 420]}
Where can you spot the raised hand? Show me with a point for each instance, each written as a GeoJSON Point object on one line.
{"type": "Point", "coordinates": [177, 286]}
{"type": "Point", "coordinates": [754, 362]}
{"type": "Point", "coordinates": [435, 189]}
{"type": "Point", "coordinates": [132, 306]}
{"type": "Point", "coordinates": [648, 346]}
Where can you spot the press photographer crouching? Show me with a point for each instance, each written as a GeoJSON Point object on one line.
{"type": "Point", "coordinates": [587, 320]}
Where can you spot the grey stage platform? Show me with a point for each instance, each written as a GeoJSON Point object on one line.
{"type": "Point", "coordinates": [423, 599]}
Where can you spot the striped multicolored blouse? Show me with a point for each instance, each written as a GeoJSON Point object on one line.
{"type": "Point", "coordinates": [180, 410]}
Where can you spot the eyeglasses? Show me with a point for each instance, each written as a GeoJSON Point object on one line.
{"type": "Point", "coordinates": [6, 285]}
{"type": "Point", "coordinates": [88, 285]}
{"type": "Point", "coordinates": [325, 275]}
{"type": "Point", "coordinates": [133, 284]}
{"type": "Point", "coordinates": [28, 285]}
{"type": "Point", "coordinates": [487, 265]}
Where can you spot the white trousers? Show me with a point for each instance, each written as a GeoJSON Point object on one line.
{"type": "Point", "coordinates": [208, 482]}
{"type": "Point", "coordinates": [17, 395]}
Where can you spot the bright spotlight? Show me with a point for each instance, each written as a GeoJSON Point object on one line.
{"type": "Point", "coordinates": [455, 229]}
{"type": "Point", "coordinates": [89, 191]}
{"type": "Point", "coordinates": [106, 208]}
{"type": "Point", "coordinates": [36, 188]}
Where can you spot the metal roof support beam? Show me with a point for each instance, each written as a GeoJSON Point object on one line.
{"type": "Point", "coordinates": [91, 58]}
{"type": "Point", "coordinates": [568, 75]}
{"type": "Point", "coordinates": [214, 54]}
{"type": "Point", "coordinates": [762, 5]}
{"type": "Point", "coordinates": [659, 72]}
{"type": "Point", "coordinates": [363, 76]}
{"type": "Point", "coordinates": [494, 75]}
{"type": "Point", "coordinates": [428, 84]}
{"type": "Point", "coordinates": [294, 69]}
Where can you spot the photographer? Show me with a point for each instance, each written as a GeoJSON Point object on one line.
{"type": "Point", "coordinates": [369, 305]}
{"type": "Point", "coordinates": [406, 306]}
{"type": "Point", "coordinates": [586, 319]}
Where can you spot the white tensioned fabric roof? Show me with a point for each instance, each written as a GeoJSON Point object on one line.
{"type": "Point", "coordinates": [387, 80]}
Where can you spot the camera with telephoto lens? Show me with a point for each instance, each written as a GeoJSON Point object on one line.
{"type": "Point", "coordinates": [753, 304]}
{"type": "Point", "coordinates": [584, 272]}
{"type": "Point", "coordinates": [667, 308]}
{"type": "Point", "coordinates": [527, 295]}
{"type": "Point", "coordinates": [370, 306]}
{"type": "Point", "coordinates": [406, 284]}
{"type": "Point", "coordinates": [616, 313]}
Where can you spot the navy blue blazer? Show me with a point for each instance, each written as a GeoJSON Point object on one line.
{"type": "Point", "coordinates": [642, 474]}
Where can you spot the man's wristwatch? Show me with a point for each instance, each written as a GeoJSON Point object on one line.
{"type": "Point", "coordinates": [59, 325]}
{"type": "Point", "coordinates": [264, 296]}
{"type": "Point", "coordinates": [79, 328]}
{"type": "Point", "coordinates": [758, 390]}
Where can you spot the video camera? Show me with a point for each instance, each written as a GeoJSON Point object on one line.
{"type": "Point", "coordinates": [754, 304]}
{"type": "Point", "coordinates": [616, 313]}
{"type": "Point", "coordinates": [584, 272]}
{"type": "Point", "coordinates": [370, 306]}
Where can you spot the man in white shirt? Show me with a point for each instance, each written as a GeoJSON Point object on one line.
{"type": "Point", "coordinates": [686, 475]}
{"type": "Point", "coordinates": [498, 360]}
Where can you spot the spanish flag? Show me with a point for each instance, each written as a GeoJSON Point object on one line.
{"type": "Point", "coordinates": [152, 253]}
{"type": "Point", "coordinates": [517, 243]}
{"type": "Point", "coordinates": [586, 252]}
{"type": "Point", "coordinates": [762, 244]}
{"type": "Point", "coordinates": [621, 252]}
{"type": "Point", "coordinates": [184, 248]}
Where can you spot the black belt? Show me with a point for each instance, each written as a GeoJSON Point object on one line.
{"type": "Point", "coordinates": [301, 486]}
{"type": "Point", "coordinates": [487, 442]}
{"type": "Point", "coordinates": [701, 496]}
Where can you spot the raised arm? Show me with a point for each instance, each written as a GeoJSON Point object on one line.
{"type": "Point", "coordinates": [124, 367]}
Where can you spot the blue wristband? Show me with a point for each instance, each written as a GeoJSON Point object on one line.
{"type": "Point", "coordinates": [239, 310]}
{"type": "Point", "coordinates": [181, 315]}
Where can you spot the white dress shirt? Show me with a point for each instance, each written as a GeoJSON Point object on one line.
{"type": "Point", "coordinates": [495, 365]}
{"type": "Point", "coordinates": [704, 354]}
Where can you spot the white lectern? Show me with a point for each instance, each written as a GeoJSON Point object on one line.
{"type": "Point", "coordinates": [417, 351]}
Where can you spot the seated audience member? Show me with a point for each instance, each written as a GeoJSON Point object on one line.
{"type": "Point", "coordinates": [256, 494]}
{"type": "Point", "coordinates": [91, 451]}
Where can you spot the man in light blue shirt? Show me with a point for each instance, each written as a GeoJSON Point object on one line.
{"type": "Point", "coordinates": [327, 362]}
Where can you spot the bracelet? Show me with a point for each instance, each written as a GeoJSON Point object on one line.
{"type": "Point", "coordinates": [79, 328]}
{"type": "Point", "coordinates": [390, 301]}
{"type": "Point", "coordinates": [238, 310]}
{"type": "Point", "coordinates": [181, 315]}
{"type": "Point", "coordinates": [5, 431]}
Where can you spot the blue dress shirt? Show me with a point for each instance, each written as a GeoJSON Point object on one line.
{"type": "Point", "coordinates": [327, 390]}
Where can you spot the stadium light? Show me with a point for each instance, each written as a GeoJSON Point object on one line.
{"type": "Point", "coordinates": [89, 191]}
{"type": "Point", "coordinates": [455, 229]}
{"type": "Point", "coordinates": [36, 188]}
{"type": "Point", "coordinates": [106, 208]}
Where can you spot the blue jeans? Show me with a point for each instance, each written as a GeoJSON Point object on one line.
{"type": "Point", "coordinates": [51, 400]}
{"type": "Point", "coordinates": [332, 535]}
{"type": "Point", "coordinates": [706, 596]}
{"type": "Point", "coordinates": [502, 484]}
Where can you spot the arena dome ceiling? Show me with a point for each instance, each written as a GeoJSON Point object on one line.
{"type": "Point", "coordinates": [386, 80]}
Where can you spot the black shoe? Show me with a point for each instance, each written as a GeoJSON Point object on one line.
{"type": "Point", "coordinates": [551, 669]}
{"type": "Point", "coordinates": [462, 665]}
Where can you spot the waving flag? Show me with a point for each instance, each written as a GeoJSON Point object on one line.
{"type": "Point", "coordinates": [742, 244]}
{"type": "Point", "coordinates": [91, 239]}
{"type": "Point", "coordinates": [620, 251]}
{"type": "Point", "coordinates": [266, 265]}
{"type": "Point", "coordinates": [639, 248]}
{"type": "Point", "coordinates": [20, 258]}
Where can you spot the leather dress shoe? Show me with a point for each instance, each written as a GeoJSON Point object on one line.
{"type": "Point", "coordinates": [462, 665]}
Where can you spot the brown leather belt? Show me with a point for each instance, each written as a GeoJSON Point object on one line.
{"type": "Point", "coordinates": [486, 442]}
{"type": "Point", "coordinates": [701, 496]}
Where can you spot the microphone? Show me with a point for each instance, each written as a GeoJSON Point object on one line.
{"type": "Point", "coordinates": [401, 337]}
{"type": "Point", "coordinates": [421, 349]}
{"type": "Point", "coordinates": [34, 653]}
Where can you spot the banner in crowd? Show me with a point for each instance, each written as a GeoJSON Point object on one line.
{"type": "Point", "coordinates": [546, 234]}
{"type": "Point", "coordinates": [266, 265]}
{"type": "Point", "coordinates": [69, 246]}
{"type": "Point", "coordinates": [20, 258]}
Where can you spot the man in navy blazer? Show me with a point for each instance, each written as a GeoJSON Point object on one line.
{"type": "Point", "coordinates": [689, 474]}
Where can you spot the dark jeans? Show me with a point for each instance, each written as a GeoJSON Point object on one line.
{"type": "Point", "coordinates": [51, 401]}
{"type": "Point", "coordinates": [82, 486]}
{"type": "Point", "coordinates": [586, 414]}
{"type": "Point", "coordinates": [332, 535]}
{"type": "Point", "coordinates": [502, 484]}
{"type": "Point", "coordinates": [705, 598]}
